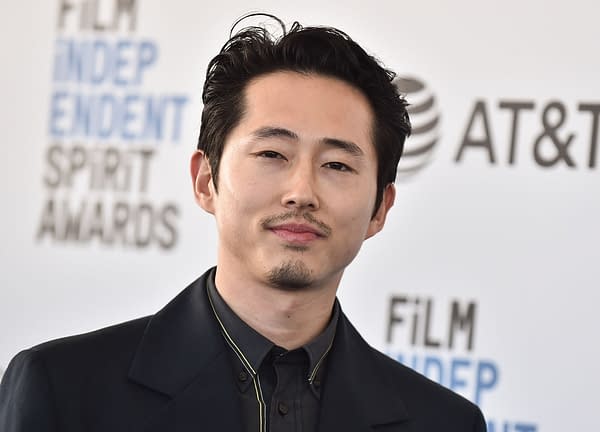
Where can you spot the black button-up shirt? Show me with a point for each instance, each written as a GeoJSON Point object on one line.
{"type": "Point", "coordinates": [279, 390]}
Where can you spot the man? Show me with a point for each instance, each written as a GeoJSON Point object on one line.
{"type": "Point", "coordinates": [297, 155]}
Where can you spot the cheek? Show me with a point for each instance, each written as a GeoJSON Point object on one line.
{"type": "Point", "coordinates": [352, 224]}
{"type": "Point", "coordinates": [357, 207]}
{"type": "Point", "coordinates": [241, 204]}
{"type": "Point", "coordinates": [360, 223]}
{"type": "Point", "coordinates": [235, 188]}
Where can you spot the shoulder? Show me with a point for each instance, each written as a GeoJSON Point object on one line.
{"type": "Point", "coordinates": [39, 377]}
{"type": "Point", "coordinates": [430, 405]}
{"type": "Point", "coordinates": [119, 339]}
{"type": "Point", "coordinates": [73, 358]}
{"type": "Point", "coordinates": [422, 396]}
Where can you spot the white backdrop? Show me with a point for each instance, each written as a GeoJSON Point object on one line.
{"type": "Point", "coordinates": [510, 244]}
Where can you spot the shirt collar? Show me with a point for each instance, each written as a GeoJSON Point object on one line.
{"type": "Point", "coordinates": [318, 348]}
{"type": "Point", "coordinates": [251, 347]}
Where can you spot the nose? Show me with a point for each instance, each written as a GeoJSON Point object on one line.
{"type": "Point", "coordinates": [300, 189]}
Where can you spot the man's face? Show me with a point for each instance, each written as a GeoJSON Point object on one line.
{"type": "Point", "coordinates": [297, 182]}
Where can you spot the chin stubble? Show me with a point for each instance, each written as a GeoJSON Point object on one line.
{"type": "Point", "coordinates": [290, 276]}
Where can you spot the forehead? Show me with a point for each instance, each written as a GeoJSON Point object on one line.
{"type": "Point", "coordinates": [311, 105]}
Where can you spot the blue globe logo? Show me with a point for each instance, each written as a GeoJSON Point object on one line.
{"type": "Point", "coordinates": [425, 120]}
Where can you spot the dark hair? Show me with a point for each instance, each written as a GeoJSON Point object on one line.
{"type": "Point", "coordinates": [254, 51]}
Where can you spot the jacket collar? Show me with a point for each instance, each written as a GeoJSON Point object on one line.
{"type": "Point", "coordinates": [179, 343]}
{"type": "Point", "coordinates": [183, 355]}
{"type": "Point", "coordinates": [356, 394]}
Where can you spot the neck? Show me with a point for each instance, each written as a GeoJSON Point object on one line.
{"type": "Point", "coordinates": [289, 319]}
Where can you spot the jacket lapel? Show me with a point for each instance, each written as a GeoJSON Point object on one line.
{"type": "Point", "coordinates": [209, 403]}
{"type": "Point", "coordinates": [356, 394]}
{"type": "Point", "coordinates": [183, 355]}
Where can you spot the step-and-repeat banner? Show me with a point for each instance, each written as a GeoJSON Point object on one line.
{"type": "Point", "coordinates": [485, 277]}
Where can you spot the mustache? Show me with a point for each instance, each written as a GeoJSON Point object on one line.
{"type": "Point", "coordinates": [267, 222]}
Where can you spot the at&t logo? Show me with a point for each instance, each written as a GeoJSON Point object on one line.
{"type": "Point", "coordinates": [425, 119]}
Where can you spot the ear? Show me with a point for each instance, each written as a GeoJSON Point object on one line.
{"type": "Point", "coordinates": [202, 181]}
{"type": "Point", "coordinates": [378, 220]}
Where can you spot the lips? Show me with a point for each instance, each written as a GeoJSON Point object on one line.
{"type": "Point", "coordinates": [297, 233]}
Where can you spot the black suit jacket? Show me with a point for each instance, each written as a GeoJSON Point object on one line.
{"type": "Point", "coordinates": [170, 372]}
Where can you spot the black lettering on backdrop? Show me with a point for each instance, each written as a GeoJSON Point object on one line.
{"type": "Point", "coordinates": [594, 110]}
{"type": "Point", "coordinates": [167, 216]}
{"type": "Point", "coordinates": [428, 341]}
{"type": "Point", "coordinates": [549, 133]}
{"type": "Point", "coordinates": [393, 318]}
{"type": "Point", "coordinates": [460, 319]}
{"type": "Point", "coordinates": [87, 12]}
{"type": "Point", "coordinates": [95, 226]}
{"type": "Point", "coordinates": [550, 146]}
{"type": "Point", "coordinates": [47, 221]}
{"type": "Point", "coordinates": [103, 167]}
{"type": "Point", "coordinates": [139, 225]}
{"type": "Point", "coordinates": [515, 107]}
{"type": "Point", "coordinates": [53, 178]}
{"type": "Point", "coordinates": [479, 113]}
{"type": "Point", "coordinates": [120, 218]}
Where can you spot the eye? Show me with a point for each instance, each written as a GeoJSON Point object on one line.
{"type": "Point", "coordinates": [270, 154]}
{"type": "Point", "coordinates": [338, 166]}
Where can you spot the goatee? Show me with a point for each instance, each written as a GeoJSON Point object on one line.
{"type": "Point", "coordinates": [290, 276]}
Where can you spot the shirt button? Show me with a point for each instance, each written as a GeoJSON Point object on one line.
{"type": "Point", "coordinates": [243, 376]}
{"type": "Point", "coordinates": [282, 408]}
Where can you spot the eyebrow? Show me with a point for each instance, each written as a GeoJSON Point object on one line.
{"type": "Point", "coordinates": [347, 146]}
{"type": "Point", "coordinates": [274, 132]}
{"type": "Point", "coordinates": [279, 132]}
